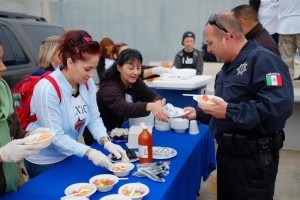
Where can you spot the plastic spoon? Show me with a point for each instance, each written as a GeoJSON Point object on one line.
{"type": "Point", "coordinates": [76, 194]}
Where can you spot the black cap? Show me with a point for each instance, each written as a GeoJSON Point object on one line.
{"type": "Point", "coordinates": [187, 34]}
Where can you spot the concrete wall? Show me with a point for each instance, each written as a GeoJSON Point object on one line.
{"type": "Point", "coordinates": [154, 27]}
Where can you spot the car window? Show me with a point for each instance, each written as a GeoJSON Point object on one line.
{"type": "Point", "coordinates": [13, 52]}
{"type": "Point", "coordinates": [38, 33]}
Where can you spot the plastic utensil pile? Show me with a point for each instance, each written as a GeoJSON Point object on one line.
{"type": "Point", "coordinates": [153, 170]}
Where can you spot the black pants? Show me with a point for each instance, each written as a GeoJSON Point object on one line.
{"type": "Point", "coordinates": [88, 138]}
{"type": "Point", "coordinates": [244, 177]}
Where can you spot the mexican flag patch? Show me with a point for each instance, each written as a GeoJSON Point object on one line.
{"type": "Point", "coordinates": [273, 79]}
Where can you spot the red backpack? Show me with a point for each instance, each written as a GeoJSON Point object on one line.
{"type": "Point", "coordinates": [22, 94]}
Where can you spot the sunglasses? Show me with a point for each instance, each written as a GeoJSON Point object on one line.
{"type": "Point", "coordinates": [213, 21]}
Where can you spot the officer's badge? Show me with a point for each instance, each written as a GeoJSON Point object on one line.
{"type": "Point", "coordinates": [274, 79]}
{"type": "Point", "coordinates": [242, 68]}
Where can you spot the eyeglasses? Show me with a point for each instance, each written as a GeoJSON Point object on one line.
{"type": "Point", "coordinates": [213, 21]}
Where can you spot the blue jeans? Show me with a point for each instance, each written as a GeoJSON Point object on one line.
{"type": "Point", "coordinates": [34, 170]}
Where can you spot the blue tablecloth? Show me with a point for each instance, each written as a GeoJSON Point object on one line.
{"type": "Point", "coordinates": [175, 96]}
{"type": "Point", "coordinates": [195, 160]}
{"type": "Point", "coordinates": [24, 195]}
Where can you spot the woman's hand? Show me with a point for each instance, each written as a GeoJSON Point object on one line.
{"type": "Point", "coordinates": [158, 110]}
{"type": "Point", "coordinates": [117, 150]}
{"type": "Point", "coordinates": [98, 158]}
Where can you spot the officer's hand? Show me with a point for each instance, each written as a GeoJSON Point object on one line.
{"type": "Point", "coordinates": [191, 113]}
{"type": "Point", "coordinates": [218, 109]}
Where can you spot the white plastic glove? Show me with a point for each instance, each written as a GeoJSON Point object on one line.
{"type": "Point", "coordinates": [40, 130]}
{"type": "Point", "coordinates": [117, 150]}
{"type": "Point", "coordinates": [17, 150]}
{"type": "Point", "coordinates": [99, 159]}
{"type": "Point", "coordinates": [160, 70]}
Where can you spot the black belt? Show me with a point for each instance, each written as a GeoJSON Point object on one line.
{"type": "Point", "coordinates": [267, 143]}
{"type": "Point", "coordinates": [262, 143]}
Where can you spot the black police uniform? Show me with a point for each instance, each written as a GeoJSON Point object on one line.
{"type": "Point", "coordinates": [251, 135]}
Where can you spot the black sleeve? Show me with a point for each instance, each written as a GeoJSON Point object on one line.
{"type": "Point", "coordinates": [255, 4]}
{"type": "Point", "coordinates": [101, 68]}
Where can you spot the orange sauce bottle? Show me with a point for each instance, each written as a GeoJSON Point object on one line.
{"type": "Point", "coordinates": [145, 145]}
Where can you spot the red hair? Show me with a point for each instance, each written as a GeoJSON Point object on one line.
{"type": "Point", "coordinates": [77, 44]}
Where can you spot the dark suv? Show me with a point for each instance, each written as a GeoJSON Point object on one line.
{"type": "Point", "coordinates": [21, 36]}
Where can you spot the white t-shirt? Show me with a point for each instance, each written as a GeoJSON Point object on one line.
{"type": "Point", "coordinates": [268, 15]}
{"type": "Point", "coordinates": [108, 63]}
{"type": "Point", "coordinates": [289, 17]}
{"type": "Point", "coordinates": [79, 108]}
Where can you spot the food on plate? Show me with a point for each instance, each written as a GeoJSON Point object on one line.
{"type": "Point", "coordinates": [205, 99]}
{"type": "Point", "coordinates": [127, 191]}
{"type": "Point", "coordinates": [130, 154]}
{"type": "Point", "coordinates": [84, 193]}
{"type": "Point", "coordinates": [119, 168]}
{"type": "Point", "coordinates": [103, 182]}
{"type": "Point", "coordinates": [41, 137]}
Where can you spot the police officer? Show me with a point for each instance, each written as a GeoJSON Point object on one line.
{"type": "Point", "coordinates": [257, 99]}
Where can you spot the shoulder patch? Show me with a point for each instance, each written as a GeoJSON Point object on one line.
{"type": "Point", "coordinates": [273, 79]}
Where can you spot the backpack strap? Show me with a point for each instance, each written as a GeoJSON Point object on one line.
{"type": "Point", "coordinates": [33, 118]}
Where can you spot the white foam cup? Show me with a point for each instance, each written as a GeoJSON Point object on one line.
{"type": "Point", "coordinates": [194, 129]}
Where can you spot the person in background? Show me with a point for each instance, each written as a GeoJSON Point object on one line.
{"type": "Point", "coordinates": [77, 109]}
{"type": "Point", "coordinates": [48, 56]}
{"type": "Point", "coordinates": [247, 123]}
{"type": "Point", "coordinates": [122, 94]}
{"type": "Point", "coordinates": [189, 57]}
{"type": "Point", "coordinates": [289, 32]}
{"type": "Point", "coordinates": [13, 147]}
{"type": "Point", "coordinates": [106, 59]}
{"type": "Point", "coordinates": [267, 11]}
{"type": "Point", "coordinates": [253, 29]}
{"type": "Point", "coordinates": [146, 71]}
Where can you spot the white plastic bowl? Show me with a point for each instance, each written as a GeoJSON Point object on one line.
{"type": "Point", "coordinates": [121, 172]}
{"type": "Point", "coordinates": [115, 197]}
{"type": "Point", "coordinates": [138, 187]}
{"type": "Point", "coordinates": [102, 188]}
{"type": "Point", "coordinates": [77, 186]}
{"type": "Point", "coordinates": [162, 126]}
{"type": "Point", "coordinates": [43, 140]}
{"type": "Point", "coordinates": [179, 125]}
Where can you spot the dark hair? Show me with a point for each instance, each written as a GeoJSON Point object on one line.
{"type": "Point", "coordinates": [245, 12]}
{"type": "Point", "coordinates": [75, 44]}
{"type": "Point", "coordinates": [118, 46]}
{"type": "Point", "coordinates": [129, 56]}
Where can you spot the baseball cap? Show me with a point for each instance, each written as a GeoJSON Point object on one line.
{"type": "Point", "coordinates": [187, 34]}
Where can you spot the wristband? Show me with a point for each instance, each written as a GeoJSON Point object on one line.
{"type": "Point", "coordinates": [104, 139]}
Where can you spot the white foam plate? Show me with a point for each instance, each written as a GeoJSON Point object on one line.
{"type": "Point", "coordinates": [199, 97]}
{"type": "Point", "coordinates": [178, 112]}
